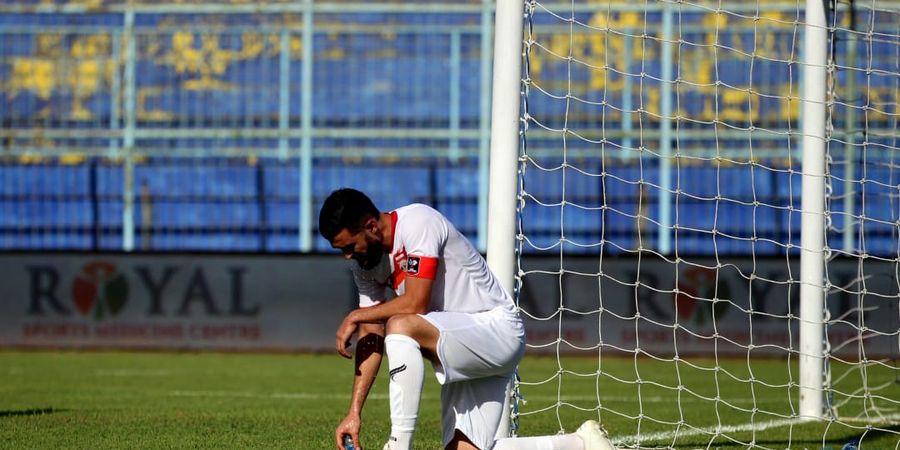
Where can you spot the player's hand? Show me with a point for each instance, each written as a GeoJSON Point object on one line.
{"type": "Point", "coordinates": [350, 425]}
{"type": "Point", "coordinates": [344, 333]}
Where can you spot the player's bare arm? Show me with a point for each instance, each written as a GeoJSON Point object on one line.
{"type": "Point", "coordinates": [369, 353]}
{"type": "Point", "coordinates": [414, 301]}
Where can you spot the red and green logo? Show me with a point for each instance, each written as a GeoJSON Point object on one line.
{"type": "Point", "coordinates": [99, 290]}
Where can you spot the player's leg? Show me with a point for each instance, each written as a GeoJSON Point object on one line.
{"type": "Point", "coordinates": [460, 442]}
{"type": "Point", "coordinates": [408, 337]}
{"type": "Point", "coordinates": [560, 442]}
{"type": "Point", "coordinates": [472, 411]}
{"type": "Point", "coordinates": [590, 436]}
{"type": "Point", "coordinates": [478, 354]}
{"type": "Point", "coordinates": [417, 328]}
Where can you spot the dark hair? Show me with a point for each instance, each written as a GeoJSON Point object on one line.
{"type": "Point", "coordinates": [345, 208]}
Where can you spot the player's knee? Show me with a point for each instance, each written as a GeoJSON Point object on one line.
{"type": "Point", "coordinates": [402, 324]}
{"type": "Point", "coordinates": [461, 442]}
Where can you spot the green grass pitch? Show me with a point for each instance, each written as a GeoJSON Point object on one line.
{"type": "Point", "coordinates": [223, 400]}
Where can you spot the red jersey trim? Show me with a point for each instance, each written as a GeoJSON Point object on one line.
{"type": "Point", "coordinates": [421, 267]}
{"type": "Point", "coordinates": [393, 229]}
{"type": "Point", "coordinates": [399, 277]}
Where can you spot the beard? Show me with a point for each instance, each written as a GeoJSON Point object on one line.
{"type": "Point", "coordinates": [372, 257]}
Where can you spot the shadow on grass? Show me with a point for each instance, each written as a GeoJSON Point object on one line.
{"type": "Point", "coordinates": [892, 430]}
{"type": "Point", "coordinates": [30, 412]}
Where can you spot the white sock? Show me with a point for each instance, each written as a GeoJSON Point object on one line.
{"type": "Point", "coordinates": [558, 442]}
{"type": "Point", "coordinates": [407, 372]}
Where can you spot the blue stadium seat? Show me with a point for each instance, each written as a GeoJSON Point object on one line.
{"type": "Point", "coordinates": [538, 218]}
{"type": "Point", "coordinates": [43, 240]}
{"type": "Point", "coordinates": [734, 72]}
{"type": "Point", "coordinates": [111, 213]}
{"type": "Point", "coordinates": [881, 245]}
{"type": "Point", "coordinates": [46, 214]}
{"type": "Point", "coordinates": [281, 179]}
{"type": "Point", "coordinates": [882, 213]}
{"type": "Point", "coordinates": [283, 214]}
{"type": "Point", "coordinates": [204, 241]}
{"type": "Point", "coordinates": [789, 187]}
{"type": "Point", "coordinates": [730, 218]}
{"type": "Point", "coordinates": [113, 242]}
{"type": "Point", "coordinates": [281, 242]}
{"type": "Point", "coordinates": [739, 182]}
{"type": "Point", "coordinates": [582, 182]}
{"type": "Point", "coordinates": [464, 217]}
{"type": "Point", "coordinates": [195, 180]}
{"type": "Point", "coordinates": [582, 221]}
{"type": "Point", "coordinates": [389, 187]}
{"type": "Point", "coordinates": [110, 181]}
{"type": "Point", "coordinates": [617, 244]}
{"type": "Point", "coordinates": [622, 217]}
{"type": "Point", "coordinates": [195, 214]}
{"type": "Point", "coordinates": [457, 182]}
{"type": "Point", "coordinates": [27, 180]}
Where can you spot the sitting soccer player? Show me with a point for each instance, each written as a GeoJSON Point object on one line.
{"type": "Point", "coordinates": [449, 308]}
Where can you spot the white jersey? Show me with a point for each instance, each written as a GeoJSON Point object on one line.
{"type": "Point", "coordinates": [427, 245]}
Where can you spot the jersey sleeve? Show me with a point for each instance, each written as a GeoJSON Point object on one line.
{"type": "Point", "coordinates": [371, 293]}
{"type": "Point", "coordinates": [424, 236]}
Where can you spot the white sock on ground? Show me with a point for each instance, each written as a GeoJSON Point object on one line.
{"type": "Point", "coordinates": [407, 372]}
{"type": "Point", "coordinates": [558, 442]}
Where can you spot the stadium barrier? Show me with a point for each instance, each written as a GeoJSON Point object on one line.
{"type": "Point", "coordinates": [241, 302]}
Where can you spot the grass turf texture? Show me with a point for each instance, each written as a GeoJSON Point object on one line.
{"type": "Point", "coordinates": [214, 400]}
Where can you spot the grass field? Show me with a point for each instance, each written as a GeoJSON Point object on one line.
{"type": "Point", "coordinates": [215, 400]}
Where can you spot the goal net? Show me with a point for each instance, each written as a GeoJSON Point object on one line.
{"type": "Point", "coordinates": [708, 243]}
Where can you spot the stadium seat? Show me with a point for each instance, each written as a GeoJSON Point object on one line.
{"type": "Point", "coordinates": [39, 179]}
{"type": "Point", "coordinates": [389, 187]}
{"type": "Point", "coordinates": [206, 241]}
{"type": "Point", "coordinates": [457, 182]}
{"type": "Point", "coordinates": [46, 240]}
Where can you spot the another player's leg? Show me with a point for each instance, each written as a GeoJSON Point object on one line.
{"type": "Point", "coordinates": [407, 337]}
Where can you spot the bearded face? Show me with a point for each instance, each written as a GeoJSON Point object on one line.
{"type": "Point", "coordinates": [364, 247]}
{"type": "Point", "coordinates": [371, 254]}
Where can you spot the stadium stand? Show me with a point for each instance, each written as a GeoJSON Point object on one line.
{"type": "Point", "coordinates": [196, 73]}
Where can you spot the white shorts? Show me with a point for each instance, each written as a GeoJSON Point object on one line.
{"type": "Point", "coordinates": [478, 355]}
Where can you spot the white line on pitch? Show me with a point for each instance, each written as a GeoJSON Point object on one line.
{"type": "Point", "coordinates": [756, 426]}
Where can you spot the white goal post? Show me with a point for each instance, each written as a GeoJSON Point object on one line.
{"type": "Point", "coordinates": [697, 205]}
{"type": "Point", "coordinates": [812, 233]}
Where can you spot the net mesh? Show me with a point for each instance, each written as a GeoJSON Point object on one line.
{"type": "Point", "coordinates": [659, 222]}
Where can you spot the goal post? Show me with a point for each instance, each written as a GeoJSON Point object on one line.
{"type": "Point", "coordinates": [504, 149]}
{"type": "Point", "coordinates": [706, 233]}
{"type": "Point", "coordinates": [812, 233]}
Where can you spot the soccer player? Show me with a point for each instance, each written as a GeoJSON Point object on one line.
{"type": "Point", "coordinates": [449, 308]}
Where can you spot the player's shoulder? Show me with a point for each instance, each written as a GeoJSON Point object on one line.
{"type": "Point", "coordinates": [418, 220]}
{"type": "Point", "coordinates": [417, 212]}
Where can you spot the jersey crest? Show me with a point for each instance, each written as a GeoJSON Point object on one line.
{"type": "Point", "coordinates": [412, 265]}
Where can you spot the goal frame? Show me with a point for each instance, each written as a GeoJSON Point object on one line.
{"type": "Point", "coordinates": [506, 127]}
